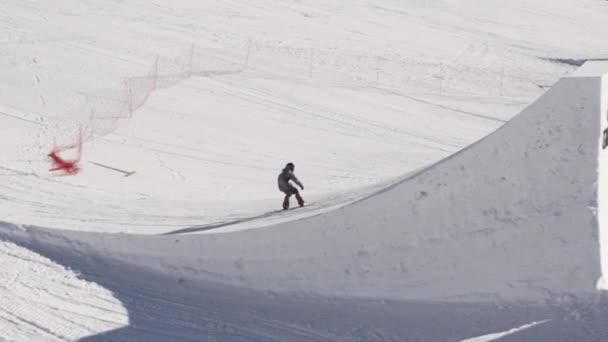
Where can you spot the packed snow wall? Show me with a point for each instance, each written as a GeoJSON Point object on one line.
{"type": "Point", "coordinates": [513, 217]}
{"type": "Point", "coordinates": [603, 167]}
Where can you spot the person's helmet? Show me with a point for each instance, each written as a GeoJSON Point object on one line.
{"type": "Point", "coordinates": [290, 166]}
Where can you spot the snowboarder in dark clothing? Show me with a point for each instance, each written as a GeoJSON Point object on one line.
{"type": "Point", "coordinates": [284, 177]}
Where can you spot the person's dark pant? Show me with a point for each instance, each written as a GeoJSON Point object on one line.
{"type": "Point", "coordinates": [292, 191]}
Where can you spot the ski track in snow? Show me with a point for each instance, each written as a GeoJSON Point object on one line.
{"type": "Point", "coordinates": [66, 307]}
{"type": "Point", "coordinates": [496, 336]}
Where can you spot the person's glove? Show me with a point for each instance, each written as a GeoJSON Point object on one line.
{"type": "Point", "coordinates": [302, 186]}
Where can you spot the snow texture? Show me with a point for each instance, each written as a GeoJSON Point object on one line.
{"type": "Point", "coordinates": [435, 213]}
{"type": "Point", "coordinates": [493, 203]}
{"type": "Point", "coordinates": [384, 246]}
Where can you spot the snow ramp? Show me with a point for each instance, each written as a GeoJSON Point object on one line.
{"type": "Point", "coordinates": [513, 217]}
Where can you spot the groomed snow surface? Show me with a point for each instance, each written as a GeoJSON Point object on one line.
{"type": "Point", "coordinates": [452, 153]}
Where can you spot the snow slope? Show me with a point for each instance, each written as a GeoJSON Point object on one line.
{"type": "Point", "coordinates": [498, 251]}
{"type": "Point", "coordinates": [208, 102]}
{"type": "Point", "coordinates": [198, 98]}
{"type": "Point", "coordinates": [493, 210]}
{"type": "Point", "coordinates": [42, 301]}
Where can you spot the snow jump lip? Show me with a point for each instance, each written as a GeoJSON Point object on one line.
{"type": "Point", "coordinates": [221, 224]}
{"type": "Point", "coordinates": [514, 217]}
{"type": "Point", "coordinates": [311, 209]}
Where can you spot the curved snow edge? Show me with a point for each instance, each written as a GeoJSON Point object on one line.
{"type": "Point", "coordinates": [512, 217]}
